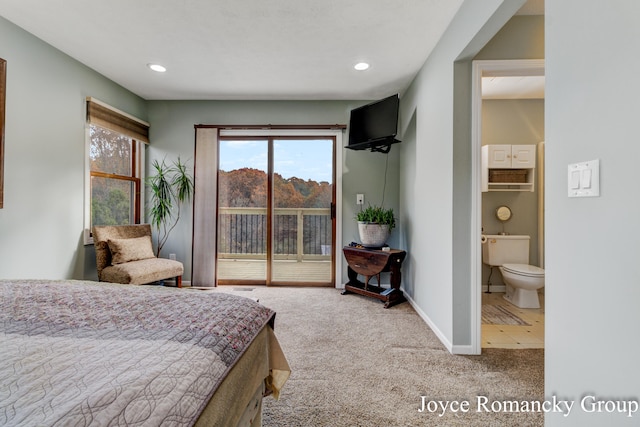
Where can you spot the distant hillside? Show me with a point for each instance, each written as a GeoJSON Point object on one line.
{"type": "Point", "coordinates": [247, 187]}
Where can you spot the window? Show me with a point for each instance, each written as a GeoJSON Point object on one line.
{"type": "Point", "coordinates": [115, 171]}
{"type": "Point", "coordinates": [115, 185]}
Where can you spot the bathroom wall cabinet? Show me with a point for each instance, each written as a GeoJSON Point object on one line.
{"type": "Point", "coordinates": [508, 167]}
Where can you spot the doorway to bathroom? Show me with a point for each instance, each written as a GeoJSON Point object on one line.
{"type": "Point", "coordinates": [508, 111]}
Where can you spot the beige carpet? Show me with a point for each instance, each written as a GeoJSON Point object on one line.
{"type": "Point", "coordinates": [356, 364]}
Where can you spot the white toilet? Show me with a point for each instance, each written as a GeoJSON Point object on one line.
{"type": "Point", "coordinates": [511, 254]}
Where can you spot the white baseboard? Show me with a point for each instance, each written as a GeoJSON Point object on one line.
{"type": "Point", "coordinates": [442, 337]}
{"type": "Point", "coordinates": [464, 349]}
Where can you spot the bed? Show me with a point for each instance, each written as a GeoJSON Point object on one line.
{"type": "Point", "coordinates": [86, 353]}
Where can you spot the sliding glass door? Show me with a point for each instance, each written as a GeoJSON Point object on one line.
{"type": "Point", "coordinates": [302, 211]}
{"type": "Point", "coordinates": [276, 224]}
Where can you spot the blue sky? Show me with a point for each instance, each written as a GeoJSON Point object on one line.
{"type": "Point", "coordinates": [305, 159]}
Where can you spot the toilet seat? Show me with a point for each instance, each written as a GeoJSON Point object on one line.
{"type": "Point", "coordinates": [524, 270]}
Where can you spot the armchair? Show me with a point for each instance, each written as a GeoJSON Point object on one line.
{"type": "Point", "coordinates": [124, 254]}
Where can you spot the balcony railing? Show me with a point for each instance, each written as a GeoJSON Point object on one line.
{"type": "Point", "coordinates": [298, 233]}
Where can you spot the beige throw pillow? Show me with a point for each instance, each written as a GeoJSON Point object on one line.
{"type": "Point", "coordinates": [125, 250]}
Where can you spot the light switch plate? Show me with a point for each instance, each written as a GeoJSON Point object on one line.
{"type": "Point", "coordinates": [583, 179]}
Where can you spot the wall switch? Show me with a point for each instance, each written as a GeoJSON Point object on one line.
{"type": "Point", "coordinates": [360, 199]}
{"type": "Point", "coordinates": [172, 256]}
{"type": "Point", "coordinates": [574, 180]}
{"type": "Point", "coordinates": [584, 179]}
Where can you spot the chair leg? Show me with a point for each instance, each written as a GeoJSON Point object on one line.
{"type": "Point", "coordinates": [179, 281]}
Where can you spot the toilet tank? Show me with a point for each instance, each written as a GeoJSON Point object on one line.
{"type": "Point", "coordinates": [509, 249]}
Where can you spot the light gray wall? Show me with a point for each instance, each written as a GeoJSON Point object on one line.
{"type": "Point", "coordinates": [41, 225]}
{"type": "Point", "coordinates": [172, 135]}
{"type": "Point", "coordinates": [435, 180]}
{"type": "Point", "coordinates": [512, 121]}
{"type": "Point", "coordinates": [592, 268]}
{"type": "Point", "coordinates": [521, 35]}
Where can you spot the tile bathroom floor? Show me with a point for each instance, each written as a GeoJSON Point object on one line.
{"type": "Point", "coordinates": [513, 336]}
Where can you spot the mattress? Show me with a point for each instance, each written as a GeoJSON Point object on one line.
{"type": "Point", "coordinates": [87, 353]}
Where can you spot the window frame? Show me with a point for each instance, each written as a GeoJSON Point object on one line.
{"type": "Point", "coordinates": [138, 161]}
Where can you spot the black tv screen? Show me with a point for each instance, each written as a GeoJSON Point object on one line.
{"type": "Point", "coordinates": [374, 125]}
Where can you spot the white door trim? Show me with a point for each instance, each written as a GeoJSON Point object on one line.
{"type": "Point", "coordinates": [480, 68]}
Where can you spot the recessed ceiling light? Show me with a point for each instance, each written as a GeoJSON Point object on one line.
{"type": "Point", "coordinates": [361, 66]}
{"type": "Point", "coordinates": [157, 67]}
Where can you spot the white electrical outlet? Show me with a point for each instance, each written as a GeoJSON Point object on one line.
{"type": "Point", "coordinates": [360, 199]}
{"type": "Point", "coordinates": [172, 256]}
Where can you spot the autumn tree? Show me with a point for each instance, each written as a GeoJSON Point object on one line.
{"type": "Point", "coordinates": [247, 187]}
{"type": "Point", "coordinates": [243, 188]}
{"type": "Point", "coordinates": [245, 233]}
{"type": "Point", "coordinates": [110, 153]}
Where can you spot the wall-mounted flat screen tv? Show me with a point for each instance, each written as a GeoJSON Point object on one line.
{"type": "Point", "coordinates": [374, 126]}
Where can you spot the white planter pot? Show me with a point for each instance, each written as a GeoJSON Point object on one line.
{"type": "Point", "coordinates": [373, 235]}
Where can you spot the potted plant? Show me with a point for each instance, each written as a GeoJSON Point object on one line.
{"type": "Point", "coordinates": [171, 187]}
{"type": "Point", "coordinates": [374, 225]}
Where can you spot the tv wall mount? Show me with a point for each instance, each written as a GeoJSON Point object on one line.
{"type": "Point", "coordinates": [376, 146]}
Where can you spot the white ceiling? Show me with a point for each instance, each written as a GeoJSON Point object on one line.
{"type": "Point", "coordinates": [245, 49]}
